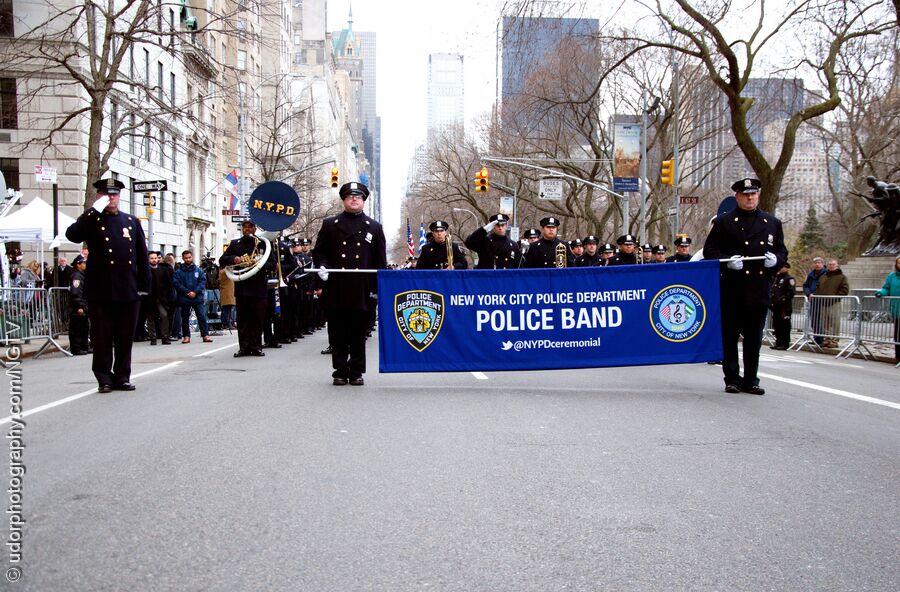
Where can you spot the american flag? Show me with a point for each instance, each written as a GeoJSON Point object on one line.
{"type": "Point", "coordinates": [688, 310]}
{"type": "Point", "coordinates": [422, 240]}
{"type": "Point", "coordinates": [409, 240]}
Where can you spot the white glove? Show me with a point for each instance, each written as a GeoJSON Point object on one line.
{"type": "Point", "coordinates": [323, 274]}
{"type": "Point", "coordinates": [101, 203]}
{"type": "Point", "coordinates": [736, 263]}
{"type": "Point", "coordinates": [489, 226]}
{"type": "Point", "coordinates": [771, 259]}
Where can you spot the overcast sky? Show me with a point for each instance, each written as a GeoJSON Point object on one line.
{"type": "Point", "coordinates": [406, 33]}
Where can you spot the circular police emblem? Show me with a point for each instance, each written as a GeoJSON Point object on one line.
{"type": "Point", "coordinates": [677, 313]}
{"type": "Point", "coordinates": [419, 315]}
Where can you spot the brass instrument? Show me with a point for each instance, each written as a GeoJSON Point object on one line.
{"type": "Point", "coordinates": [561, 258]}
{"type": "Point", "coordinates": [449, 244]}
{"type": "Point", "coordinates": [251, 263]}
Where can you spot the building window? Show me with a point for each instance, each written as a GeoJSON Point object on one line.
{"type": "Point", "coordinates": [159, 81]}
{"type": "Point", "coordinates": [7, 24]}
{"type": "Point", "coordinates": [9, 109]}
{"type": "Point", "coordinates": [133, 135]}
{"type": "Point", "coordinates": [162, 148]}
{"type": "Point", "coordinates": [147, 66]}
{"type": "Point", "coordinates": [174, 156]}
{"type": "Point", "coordinates": [10, 169]}
{"type": "Point", "coordinates": [147, 141]}
{"type": "Point", "coordinates": [171, 28]}
{"type": "Point", "coordinates": [131, 62]}
{"type": "Point", "coordinates": [172, 88]}
{"type": "Point", "coordinates": [241, 59]}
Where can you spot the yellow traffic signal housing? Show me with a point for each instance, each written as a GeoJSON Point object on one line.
{"type": "Point", "coordinates": [481, 180]}
{"type": "Point", "coordinates": [334, 176]}
{"type": "Point", "coordinates": [667, 173]}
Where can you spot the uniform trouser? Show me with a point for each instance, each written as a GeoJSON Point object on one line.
{"type": "Point", "coordinates": [251, 312]}
{"type": "Point", "coordinates": [78, 332]}
{"type": "Point", "coordinates": [781, 326]}
{"type": "Point", "coordinates": [747, 320]}
{"type": "Point", "coordinates": [347, 336]}
{"type": "Point", "coordinates": [112, 335]}
{"type": "Point", "coordinates": [199, 307]}
{"type": "Point", "coordinates": [158, 316]}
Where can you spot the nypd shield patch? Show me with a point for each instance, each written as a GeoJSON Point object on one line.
{"type": "Point", "coordinates": [419, 315]}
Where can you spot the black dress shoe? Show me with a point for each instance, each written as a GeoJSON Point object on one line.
{"type": "Point", "coordinates": [240, 354]}
{"type": "Point", "coordinates": [272, 346]}
{"type": "Point", "coordinates": [80, 353]}
{"type": "Point", "coordinates": [125, 386]}
{"type": "Point", "coordinates": [732, 388]}
{"type": "Point", "coordinates": [167, 342]}
{"type": "Point", "coordinates": [258, 353]}
{"type": "Point", "coordinates": [152, 342]}
{"type": "Point", "coordinates": [327, 350]}
{"type": "Point", "coordinates": [104, 388]}
{"type": "Point", "coordinates": [338, 381]}
{"type": "Point", "coordinates": [358, 381]}
{"type": "Point", "coordinates": [753, 390]}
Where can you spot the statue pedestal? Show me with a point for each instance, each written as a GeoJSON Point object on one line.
{"type": "Point", "coordinates": [868, 272]}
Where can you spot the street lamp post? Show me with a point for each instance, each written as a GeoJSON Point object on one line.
{"type": "Point", "coordinates": [643, 171]}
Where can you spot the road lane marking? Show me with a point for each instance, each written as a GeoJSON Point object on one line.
{"type": "Point", "coordinates": [832, 391]}
{"type": "Point", "coordinates": [480, 375]}
{"type": "Point", "coordinates": [75, 397]}
{"type": "Point", "coordinates": [212, 351]}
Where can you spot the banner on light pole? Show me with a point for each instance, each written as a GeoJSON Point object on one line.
{"type": "Point", "coordinates": [626, 156]}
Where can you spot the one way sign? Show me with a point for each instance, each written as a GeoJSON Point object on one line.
{"type": "Point", "coordinates": [149, 186]}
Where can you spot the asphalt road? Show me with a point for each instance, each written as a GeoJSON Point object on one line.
{"type": "Point", "coordinates": [257, 474]}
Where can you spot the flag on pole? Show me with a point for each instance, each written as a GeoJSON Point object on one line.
{"type": "Point", "coordinates": [231, 184]}
{"type": "Point", "coordinates": [409, 239]}
{"type": "Point", "coordinates": [422, 240]}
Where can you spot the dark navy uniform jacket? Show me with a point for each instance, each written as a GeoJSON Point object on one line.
{"type": "Point", "coordinates": [118, 267]}
{"type": "Point", "coordinates": [586, 260]}
{"type": "Point", "coordinates": [678, 258]}
{"type": "Point", "coordinates": [623, 259]}
{"type": "Point", "coordinates": [434, 256]}
{"type": "Point", "coordinates": [494, 251]}
{"type": "Point", "coordinates": [255, 286]}
{"type": "Point", "coordinates": [748, 234]}
{"type": "Point", "coordinates": [543, 254]}
{"type": "Point", "coordinates": [350, 241]}
{"type": "Point", "coordinates": [76, 292]}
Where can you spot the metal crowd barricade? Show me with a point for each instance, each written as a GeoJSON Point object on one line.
{"type": "Point", "coordinates": [799, 310]}
{"type": "Point", "coordinates": [832, 319]}
{"type": "Point", "coordinates": [880, 320]}
{"type": "Point", "coordinates": [59, 310]}
{"type": "Point", "coordinates": [25, 314]}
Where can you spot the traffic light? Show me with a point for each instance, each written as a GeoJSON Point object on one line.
{"type": "Point", "coordinates": [481, 180]}
{"type": "Point", "coordinates": [334, 176]}
{"type": "Point", "coordinates": [667, 173]}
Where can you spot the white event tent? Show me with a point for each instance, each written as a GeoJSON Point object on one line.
{"type": "Point", "coordinates": [33, 224]}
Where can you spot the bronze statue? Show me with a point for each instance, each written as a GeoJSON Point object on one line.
{"type": "Point", "coordinates": [886, 201]}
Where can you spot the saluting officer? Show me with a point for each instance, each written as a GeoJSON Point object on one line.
{"type": "Point", "coordinates": [682, 250]}
{"type": "Point", "coordinates": [250, 293]}
{"type": "Point", "coordinates": [591, 257]}
{"type": "Point", "coordinates": [626, 255]}
{"type": "Point", "coordinates": [350, 240]}
{"type": "Point", "coordinates": [495, 249]}
{"type": "Point", "coordinates": [543, 252]}
{"type": "Point", "coordinates": [434, 254]}
{"type": "Point", "coordinates": [745, 231]}
{"type": "Point", "coordinates": [119, 274]}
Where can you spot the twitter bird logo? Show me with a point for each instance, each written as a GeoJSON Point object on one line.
{"type": "Point", "coordinates": [507, 345]}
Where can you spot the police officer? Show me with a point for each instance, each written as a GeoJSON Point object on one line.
{"type": "Point", "coordinates": [577, 247]}
{"type": "Point", "coordinates": [249, 293]}
{"type": "Point", "coordinates": [590, 258]}
{"type": "Point", "coordinates": [783, 289]}
{"type": "Point", "coordinates": [626, 255]}
{"type": "Point", "coordinates": [608, 252]}
{"type": "Point", "coordinates": [745, 231]}
{"type": "Point", "coordinates": [350, 240]}
{"type": "Point", "coordinates": [119, 274]}
{"type": "Point", "coordinates": [659, 254]}
{"type": "Point", "coordinates": [542, 253]}
{"type": "Point", "coordinates": [434, 253]}
{"type": "Point", "coordinates": [682, 250]}
{"type": "Point", "coordinates": [646, 253]}
{"type": "Point", "coordinates": [78, 309]}
{"type": "Point", "coordinates": [495, 249]}
{"type": "Point", "coordinates": [309, 304]}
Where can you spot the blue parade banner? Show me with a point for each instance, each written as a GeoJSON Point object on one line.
{"type": "Point", "coordinates": [535, 319]}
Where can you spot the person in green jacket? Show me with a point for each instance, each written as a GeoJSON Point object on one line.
{"type": "Point", "coordinates": [891, 287]}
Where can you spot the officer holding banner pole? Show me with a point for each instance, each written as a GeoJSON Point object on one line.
{"type": "Point", "coordinates": [741, 232]}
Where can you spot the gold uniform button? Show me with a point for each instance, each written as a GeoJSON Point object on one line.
{"type": "Point", "coordinates": [343, 254]}
{"type": "Point", "coordinates": [357, 256]}
{"type": "Point", "coordinates": [110, 250]}
{"type": "Point", "coordinates": [357, 244]}
{"type": "Point", "coordinates": [762, 243]}
{"type": "Point", "coordinates": [103, 228]}
{"type": "Point", "coordinates": [345, 242]}
{"type": "Point", "coordinates": [129, 263]}
{"type": "Point", "coordinates": [107, 239]}
{"type": "Point", "coordinates": [746, 242]}
{"type": "Point", "coordinates": [747, 272]}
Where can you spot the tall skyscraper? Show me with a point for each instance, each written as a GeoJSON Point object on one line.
{"type": "Point", "coordinates": [446, 94]}
{"type": "Point", "coordinates": [371, 132]}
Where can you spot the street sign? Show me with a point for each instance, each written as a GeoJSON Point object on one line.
{"type": "Point", "coordinates": [514, 234]}
{"type": "Point", "coordinates": [150, 200]}
{"type": "Point", "coordinates": [550, 189]}
{"type": "Point", "coordinates": [231, 212]}
{"type": "Point", "coordinates": [44, 174]}
{"type": "Point", "coordinates": [149, 186]}
{"type": "Point", "coordinates": [673, 210]}
{"type": "Point", "coordinates": [240, 219]}
{"type": "Point", "coordinates": [689, 199]}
